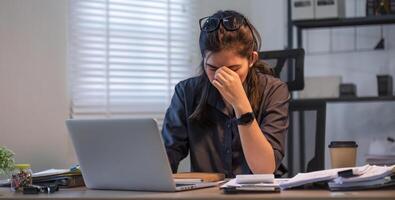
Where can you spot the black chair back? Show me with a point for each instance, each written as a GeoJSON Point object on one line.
{"type": "Point", "coordinates": [296, 59]}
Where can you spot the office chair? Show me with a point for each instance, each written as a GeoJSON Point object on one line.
{"type": "Point", "coordinates": [301, 106]}
{"type": "Point", "coordinates": [281, 57]}
{"type": "Point", "coordinates": [293, 59]}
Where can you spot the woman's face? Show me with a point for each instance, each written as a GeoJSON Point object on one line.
{"type": "Point", "coordinates": [226, 58]}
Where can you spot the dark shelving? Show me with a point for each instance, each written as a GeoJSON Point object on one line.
{"type": "Point", "coordinates": [350, 99]}
{"type": "Point", "coordinates": [320, 103]}
{"type": "Point", "coordinates": [338, 22]}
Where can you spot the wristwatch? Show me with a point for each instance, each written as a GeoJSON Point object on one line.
{"type": "Point", "coordinates": [246, 118]}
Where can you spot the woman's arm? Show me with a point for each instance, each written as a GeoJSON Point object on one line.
{"type": "Point", "coordinates": [174, 130]}
{"type": "Point", "coordinates": [257, 150]}
{"type": "Point", "coordinates": [260, 154]}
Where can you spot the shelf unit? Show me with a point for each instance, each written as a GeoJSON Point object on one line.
{"type": "Point", "coordinates": [301, 25]}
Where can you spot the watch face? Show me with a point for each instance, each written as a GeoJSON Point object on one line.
{"type": "Point", "coordinates": [246, 118]}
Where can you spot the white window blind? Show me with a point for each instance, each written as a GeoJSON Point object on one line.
{"type": "Point", "coordinates": [126, 56]}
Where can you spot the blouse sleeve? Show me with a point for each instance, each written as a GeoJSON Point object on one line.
{"type": "Point", "coordinates": [174, 130]}
{"type": "Point", "coordinates": [274, 122]}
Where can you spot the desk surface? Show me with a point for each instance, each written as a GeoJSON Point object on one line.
{"type": "Point", "coordinates": [207, 193]}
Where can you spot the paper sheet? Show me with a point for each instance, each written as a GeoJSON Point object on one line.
{"type": "Point", "coordinates": [317, 176]}
{"type": "Point", "coordinates": [371, 172]}
{"type": "Point", "coordinates": [50, 172]}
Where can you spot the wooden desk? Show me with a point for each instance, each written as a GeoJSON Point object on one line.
{"type": "Point", "coordinates": [208, 193]}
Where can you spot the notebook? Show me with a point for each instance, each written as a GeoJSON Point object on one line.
{"type": "Point", "coordinates": [233, 186]}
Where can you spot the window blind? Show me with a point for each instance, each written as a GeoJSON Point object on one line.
{"type": "Point", "coordinates": [126, 56]}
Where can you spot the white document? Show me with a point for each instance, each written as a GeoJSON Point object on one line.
{"type": "Point", "coordinates": [254, 178]}
{"type": "Point", "coordinates": [50, 172]}
{"type": "Point", "coordinates": [317, 176]}
{"type": "Point", "coordinates": [371, 172]}
{"type": "Point", "coordinates": [363, 173]}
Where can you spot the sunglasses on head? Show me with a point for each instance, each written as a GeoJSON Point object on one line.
{"type": "Point", "coordinates": [230, 23]}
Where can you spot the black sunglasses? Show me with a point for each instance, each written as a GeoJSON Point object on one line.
{"type": "Point", "coordinates": [230, 23]}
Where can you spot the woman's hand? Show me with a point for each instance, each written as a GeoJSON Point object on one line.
{"type": "Point", "coordinates": [231, 88]}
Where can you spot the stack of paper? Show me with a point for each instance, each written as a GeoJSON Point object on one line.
{"type": "Point", "coordinates": [373, 159]}
{"type": "Point", "coordinates": [266, 185]}
{"type": "Point", "coordinates": [314, 177]}
{"type": "Point", "coordinates": [362, 176]}
{"type": "Point", "coordinates": [62, 177]}
{"type": "Point", "coordinates": [373, 177]}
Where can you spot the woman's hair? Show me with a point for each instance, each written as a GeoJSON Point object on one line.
{"type": "Point", "coordinates": [242, 41]}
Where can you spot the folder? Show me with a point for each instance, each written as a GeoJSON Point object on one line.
{"type": "Point", "coordinates": [63, 177]}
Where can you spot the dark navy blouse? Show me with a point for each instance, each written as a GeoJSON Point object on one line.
{"type": "Point", "coordinates": [217, 147]}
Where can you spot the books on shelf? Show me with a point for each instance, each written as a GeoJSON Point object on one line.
{"type": "Point", "coordinates": [62, 177]}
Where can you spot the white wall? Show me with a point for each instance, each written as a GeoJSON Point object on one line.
{"type": "Point", "coordinates": [362, 122]}
{"type": "Point", "coordinates": [33, 91]}
{"type": "Point", "coordinates": [360, 66]}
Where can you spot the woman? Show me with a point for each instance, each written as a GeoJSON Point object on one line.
{"type": "Point", "coordinates": [234, 116]}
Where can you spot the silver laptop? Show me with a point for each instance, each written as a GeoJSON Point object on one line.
{"type": "Point", "coordinates": [123, 154]}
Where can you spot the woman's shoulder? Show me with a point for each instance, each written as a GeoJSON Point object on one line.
{"type": "Point", "coordinates": [273, 88]}
{"type": "Point", "coordinates": [190, 84]}
{"type": "Point", "coordinates": [271, 82]}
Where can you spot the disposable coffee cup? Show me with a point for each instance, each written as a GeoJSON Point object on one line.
{"type": "Point", "coordinates": [343, 153]}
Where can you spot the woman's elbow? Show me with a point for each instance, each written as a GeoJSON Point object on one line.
{"type": "Point", "coordinates": [266, 168]}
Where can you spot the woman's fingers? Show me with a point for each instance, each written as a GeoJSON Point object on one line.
{"type": "Point", "coordinates": [217, 84]}
{"type": "Point", "coordinates": [228, 71]}
{"type": "Point", "coordinates": [223, 74]}
{"type": "Point", "coordinates": [228, 74]}
{"type": "Point", "coordinates": [220, 78]}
